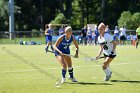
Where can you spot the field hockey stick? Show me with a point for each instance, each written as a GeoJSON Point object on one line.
{"type": "Point", "coordinates": [89, 59]}
{"type": "Point", "coordinates": [63, 54]}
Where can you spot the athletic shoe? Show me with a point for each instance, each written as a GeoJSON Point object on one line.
{"type": "Point", "coordinates": [108, 77]}
{"type": "Point", "coordinates": [72, 79]}
{"type": "Point", "coordinates": [63, 80]}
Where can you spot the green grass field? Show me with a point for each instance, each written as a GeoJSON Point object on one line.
{"type": "Point", "coordinates": [28, 69]}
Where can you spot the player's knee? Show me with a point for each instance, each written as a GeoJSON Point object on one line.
{"type": "Point", "coordinates": [64, 66]}
{"type": "Point", "coordinates": [104, 67]}
{"type": "Point", "coordinates": [105, 64]}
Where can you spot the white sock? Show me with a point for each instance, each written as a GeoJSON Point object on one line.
{"type": "Point", "coordinates": [107, 71]}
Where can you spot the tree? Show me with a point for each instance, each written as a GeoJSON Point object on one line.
{"type": "Point", "coordinates": [131, 21]}
{"type": "Point", "coordinates": [59, 19]}
{"type": "Point", "coordinates": [3, 14]}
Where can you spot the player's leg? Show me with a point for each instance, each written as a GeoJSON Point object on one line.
{"type": "Point", "coordinates": [116, 39]}
{"type": "Point", "coordinates": [106, 69]}
{"type": "Point", "coordinates": [51, 46]}
{"type": "Point", "coordinates": [120, 40]}
{"type": "Point", "coordinates": [64, 67]}
{"type": "Point", "coordinates": [47, 46]}
{"type": "Point", "coordinates": [70, 68]}
{"type": "Point", "coordinates": [90, 40]}
{"type": "Point", "coordinates": [137, 41]}
{"type": "Point", "coordinates": [51, 43]}
{"type": "Point", "coordinates": [47, 43]}
{"type": "Point", "coordinates": [95, 42]}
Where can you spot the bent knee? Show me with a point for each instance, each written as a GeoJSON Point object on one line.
{"type": "Point", "coordinates": [105, 64]}
{"type": "Point", "coordinates": [64, 66]}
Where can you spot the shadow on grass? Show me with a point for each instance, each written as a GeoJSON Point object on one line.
{"type": "Point", "coordinates": [127, 81]}
{"type": "Point", "coordinates": [86, 83]}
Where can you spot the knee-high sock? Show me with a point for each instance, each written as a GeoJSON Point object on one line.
{"type": "Point", "coordinates": [64, 73]}
{"type": "Point", "coordinates": [52, 48]}
{"type": "Point", "coordinates": [47, 47]}
{"type": "Point", "coordinates": [107, 71]}
{"type": "Point", "coordinates": [70, 72]}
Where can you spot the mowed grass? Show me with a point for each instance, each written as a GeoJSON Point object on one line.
{"type": "Point", "coordinates": [28, 69]}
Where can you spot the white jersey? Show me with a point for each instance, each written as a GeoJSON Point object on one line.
{"type": "Point", "coordinates": [106, 42]}
{"type": "Point", "coordinates": [123, 30]}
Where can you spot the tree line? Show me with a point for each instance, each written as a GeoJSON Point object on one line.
{"type": "Point", "coordinates": [34, 14]}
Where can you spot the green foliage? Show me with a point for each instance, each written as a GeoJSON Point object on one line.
{"type": "Point", "coordinates": [135, 20]}
{"type": "Point", "coordinates": [36, 13]}
{"type": "Point", "coordinates": [76, 15]}
{"type": "Point", "coordinates": [131, 21]}
{"type": "Point", "coordinates": [35, 33]}
{"type": "Point", "coordinates": [59, 19]}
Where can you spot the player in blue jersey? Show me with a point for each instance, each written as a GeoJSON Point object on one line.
{"type": "Point", "coordinates": [61, 47]}
{"type": "Point", "coordinates": [61, 30]}
{"type": "Point", "coordinates": [48, 33]}
{"type": "Point", "coordinates": [89, 36]}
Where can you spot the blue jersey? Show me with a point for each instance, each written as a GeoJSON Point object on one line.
{"type": "Point", "coordinates": [61, 31]}
{"type": "Point", "coordinates": [50, 31]}
{"type": "Point", "coordinates": [96, 33]}
{"type": "Point", "coordinates": [49, 37]}
{"type": "Point", "coordinates": [64, 44]}
{"type": "Point", "coordinates": [89, 34]}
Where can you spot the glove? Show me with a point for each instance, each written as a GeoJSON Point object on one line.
{"type": "Point", "coordinates": [76, 55]}
{"type": "Point", "coordinates": [77, 51]}
{"type": "Point", "coordinates": [97, 57]}
{"type": "Point", "coordinates": [111, 53]}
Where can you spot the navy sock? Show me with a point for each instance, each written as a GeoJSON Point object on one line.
{"type": "Point", "coordinates": [71, 72]}
{"type": "Point", "coordinates": [46, 47]}
{"type": "Point", "coordinates": [64, 73]}
{"type": "Point", "coordinates": [52, 48]}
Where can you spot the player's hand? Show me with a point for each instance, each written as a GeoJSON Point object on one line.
{"type": "Point", "coordinates": [77, 51]}
{"type": "Point", "coordinates": [61, 53]}
{"type": "Point", "coordinates": [97, 57]}
{"type": "Point", "coordinates": [111, 53]}
{"type": "Point", "coordinates": [76, 55]}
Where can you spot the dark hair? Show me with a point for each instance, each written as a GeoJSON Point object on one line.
{"type": "Point", "coordinates": [46, 26]}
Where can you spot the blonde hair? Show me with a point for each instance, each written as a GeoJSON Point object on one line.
{"type": "Point", "coordinates": [101, 25]}
{"type": "Point", "coordinates": [68, 28]}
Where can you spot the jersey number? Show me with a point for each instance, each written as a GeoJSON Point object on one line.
{"type": "Point", "coordinates": [65, 47]}
{"type": "Point", "coordinates": [105, 47]}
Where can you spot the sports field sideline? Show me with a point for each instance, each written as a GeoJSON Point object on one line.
{"type": "Point", "coordinates": [28, 69]}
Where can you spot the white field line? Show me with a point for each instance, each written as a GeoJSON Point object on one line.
{"type": "Point", "coordinates": [73, 67]}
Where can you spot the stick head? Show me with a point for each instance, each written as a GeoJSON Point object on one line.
{"type": "Point", "coordinates": [88, 59]}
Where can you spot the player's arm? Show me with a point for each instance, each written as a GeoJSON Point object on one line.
{"type": "Point", "coordinates": [114, 45]}
{"type": "Point", "coordinates": [57, 43]}
{"type": "Point", "coordinates": [100, 51]}
{"type": "Point", "coordinates": [46, 32]}
{"type": "Point", "coordinates": [76, 45]}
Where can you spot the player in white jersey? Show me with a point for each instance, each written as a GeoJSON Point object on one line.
{"type": "Point", "coordinates": [122, 35]}
{"type": "Point", "coordinates": [108, 46]}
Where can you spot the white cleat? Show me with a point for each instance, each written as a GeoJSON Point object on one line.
{"type": "Point", "coordinates": [108, 77]}
{"type": "Point", "coordinates": [73, 79]}
{"type": "Point", "coordinates": [63, 80]}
